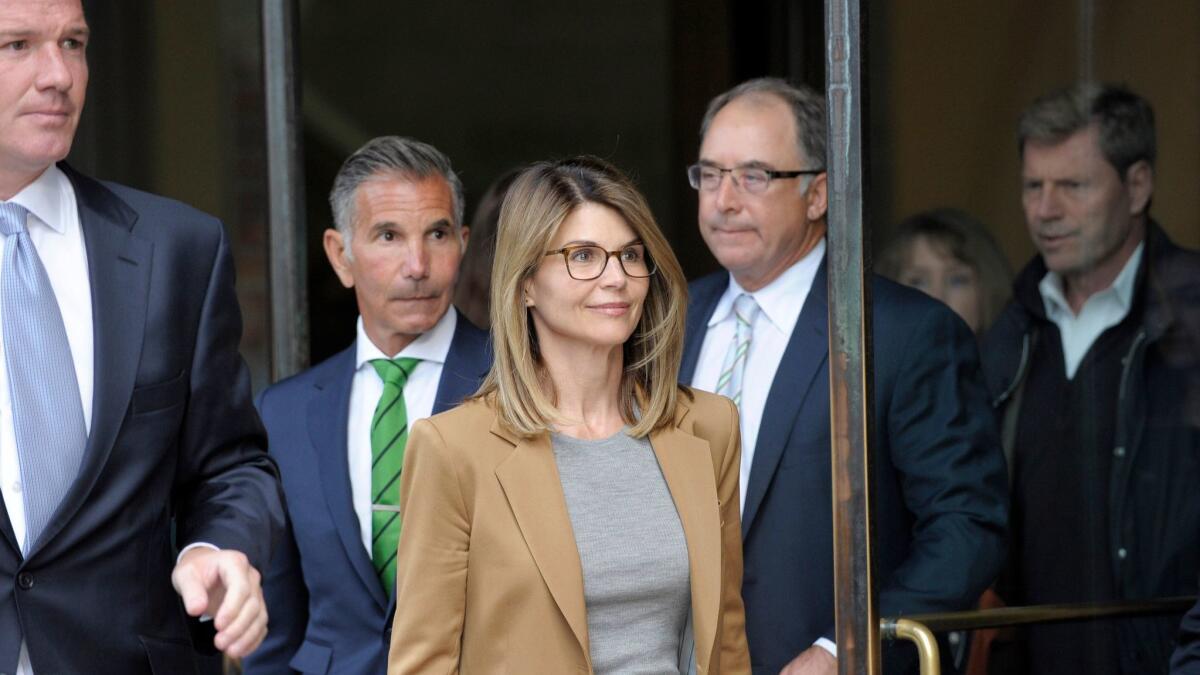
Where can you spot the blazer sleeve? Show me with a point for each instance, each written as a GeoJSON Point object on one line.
{"type": "Point", "coordinates": [431, 562]}
{"type": "Point", "coordinates": [227, 490]}
{"type": "Point", "coordinates": [287, 606]}
{"type": "Point", "coordinates": [285, 592]}
{"type": "Point", "coordinates": [945, 447]}
{"type": "Point", "coordinates": [735, 653]}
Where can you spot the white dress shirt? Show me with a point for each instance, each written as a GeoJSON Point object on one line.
{"type": "Point", "coordinates": [780, 303]}
{"type": "Point", "coordinates": [419, 393]}
{"type": "Point", "coordinates": [1101, 311]}
{"type": "Point", "coordinates": [53, 225]}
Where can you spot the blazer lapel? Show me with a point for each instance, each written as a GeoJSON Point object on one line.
{"type": "Point", "coordinates": [467, 362]}
{"type": "Point", "coordinates": [686, 463]}
{"type": "Point", "coordinates": [119, 264]}
{"type": "Point", "coordinates": [531, 484]}
{"type": "Point", "coordinates": [466, 365]}
{"type": "Point", "coordinates": [328, 417]}
{"type": "Point", "coordinates": [806, 353]}
{"type": "Point", "coordinates": [6, 530]}
{"type": "Point", "coordinates": [704, 301]}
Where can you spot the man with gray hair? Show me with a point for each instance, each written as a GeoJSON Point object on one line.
{"type": "Point", "coordinates": [757, 332]}
{"type": "Point", "coordinates": [1094, 369]}
{"type": "Point", "coordinates": [338, 430]}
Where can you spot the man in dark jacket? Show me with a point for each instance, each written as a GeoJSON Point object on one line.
{"type": "Point", "coordinates": [1186, 660]}
{"type": "Point", "coordinates": [1093, 369]}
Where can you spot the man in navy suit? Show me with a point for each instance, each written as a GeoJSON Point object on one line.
{"type": "Point", "coordinates": [1186, 659]}
{"type": "Point", "coordinates": [124, 406]}
{"type": "Point", "coordinates": [757, 332]}
{"type": "Point", "coordinates": [399, 238]}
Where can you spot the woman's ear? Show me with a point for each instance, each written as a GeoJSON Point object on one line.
{"type": "Point", "coordinates": [525, 292]}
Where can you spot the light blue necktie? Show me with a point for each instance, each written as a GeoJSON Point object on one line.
{"type": "Point", "coordinates": [734, 368]}
{"type": "Point", "coordinates": [46, 411]}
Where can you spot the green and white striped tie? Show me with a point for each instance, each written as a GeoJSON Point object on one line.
{"type": "Point", "coordinates": [732, 371]}
{"type": "Point", "coordinates": [389, 433]}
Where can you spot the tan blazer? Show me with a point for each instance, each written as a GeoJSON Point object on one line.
{"type": "Point", "coordinates": [488, 573]}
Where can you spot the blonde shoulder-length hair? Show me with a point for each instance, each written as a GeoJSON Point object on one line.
{"type": "Point", "coordinates": [518, 386]}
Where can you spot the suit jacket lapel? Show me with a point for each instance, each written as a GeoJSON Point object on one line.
{"type": "Point", "coordinates": [700, 310]}
{"type": "Point", "coordinates": [531, 484]}
{"type": "Point", "coordinates": [802, 360]}
{"type": "Point", "coordinates": [328, 416]}
{"type": "Point", "coordinates": [119, 264]}
{"type": "Point", "coordinates": [466, 364]}
{"type": "Point", "coordinates": [686, 463]}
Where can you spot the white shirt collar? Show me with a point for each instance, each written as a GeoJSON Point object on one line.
{"type": "Point", "coordinates": [1119, 295]}
{"type": "Point", "coordinates": [44, 197]}
{"type": "Point", "coordinates": [780, 300]}
{"type": "Point", "coordinates": [432, 345]}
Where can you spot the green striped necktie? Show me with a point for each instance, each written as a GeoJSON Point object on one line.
{"type": "Point", "coordinates": [389, 433]}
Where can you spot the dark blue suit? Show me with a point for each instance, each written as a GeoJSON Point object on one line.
{"type": "Point", "coordinates": [174, 440]}
{"type": "Point", "coordinates": [1186, 660]}
{"type": "Point", "coordinates": [328, 610]}
{"type": "Point", "coordinates": [940, 488]}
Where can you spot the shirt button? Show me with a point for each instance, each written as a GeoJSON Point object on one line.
{"type": "Point", "coordinates": [25, 580]}
{"type": "Point", "coordinates": [1121, 553]}
{"type": "Point", "coordinates": [1119, 451]}
{"type": "Point", "coordinates": [16, 486]}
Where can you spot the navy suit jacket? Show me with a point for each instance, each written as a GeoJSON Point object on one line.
{"type": "Point", "coordinates": [328, 610]}
{"type": "Point", "coordinates": [1186, 660]}
{"type": "Point", "coordinates": [174, 439]}
{"type": "Point", "coordinates": [940, 499]}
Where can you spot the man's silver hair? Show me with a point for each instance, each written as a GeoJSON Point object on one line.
{"type": "Point", "coordinates": [1126, 122]}
{"type": "Point", "coordinates": [383, 157]}
{"type": "Point", "coordinates": [807, 106]}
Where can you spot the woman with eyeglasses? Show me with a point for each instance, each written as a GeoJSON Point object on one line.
{"type": "Point", "coordinates": [580, 513]}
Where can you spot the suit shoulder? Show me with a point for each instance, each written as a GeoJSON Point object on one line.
{"type": "Point", "coordinates": [154, 207]}
{"type": "Point", "coordinates": [470, 337]}
{"type": "Point", "coordinates": [709, 283]}
{"type": "Point", "coordinates": [285, 391]}
{"type": "Point", "coordinates": [151, 216]}
{"type": "Point", "coordinates": [472, 418]}
{"type": "Point", "coordinates": [714, 417]}
{"type": "Point", "coordinates": [461, 437]}
{"type": "Point", "coordinates": [467, 328]}
{"type": "Point", "coordinates": [898, 307]}
{"type": "Point", "coordinates": [889, 294]}
{"type": "Point", "coordinates": [705, 402]}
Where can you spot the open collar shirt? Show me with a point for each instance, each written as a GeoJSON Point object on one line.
{"type": "Point", "coordinates": [1101, 311]}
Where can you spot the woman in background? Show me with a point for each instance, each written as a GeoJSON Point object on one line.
{"type": "Point", "coordinates": [472, 293]}
{"type": "Point", "coordinates": [951, 256]}
{"type": "Point", "coordinates": [580, 514]}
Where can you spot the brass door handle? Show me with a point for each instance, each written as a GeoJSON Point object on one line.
{"type": "Point", "coordinates": [919, 635]}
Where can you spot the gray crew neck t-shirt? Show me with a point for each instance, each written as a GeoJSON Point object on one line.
{"type": "Point", "coordinates": [633, 553]}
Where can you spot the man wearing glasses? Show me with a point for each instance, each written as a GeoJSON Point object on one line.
{"type": "Point", "coordinates": [757, 333]}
